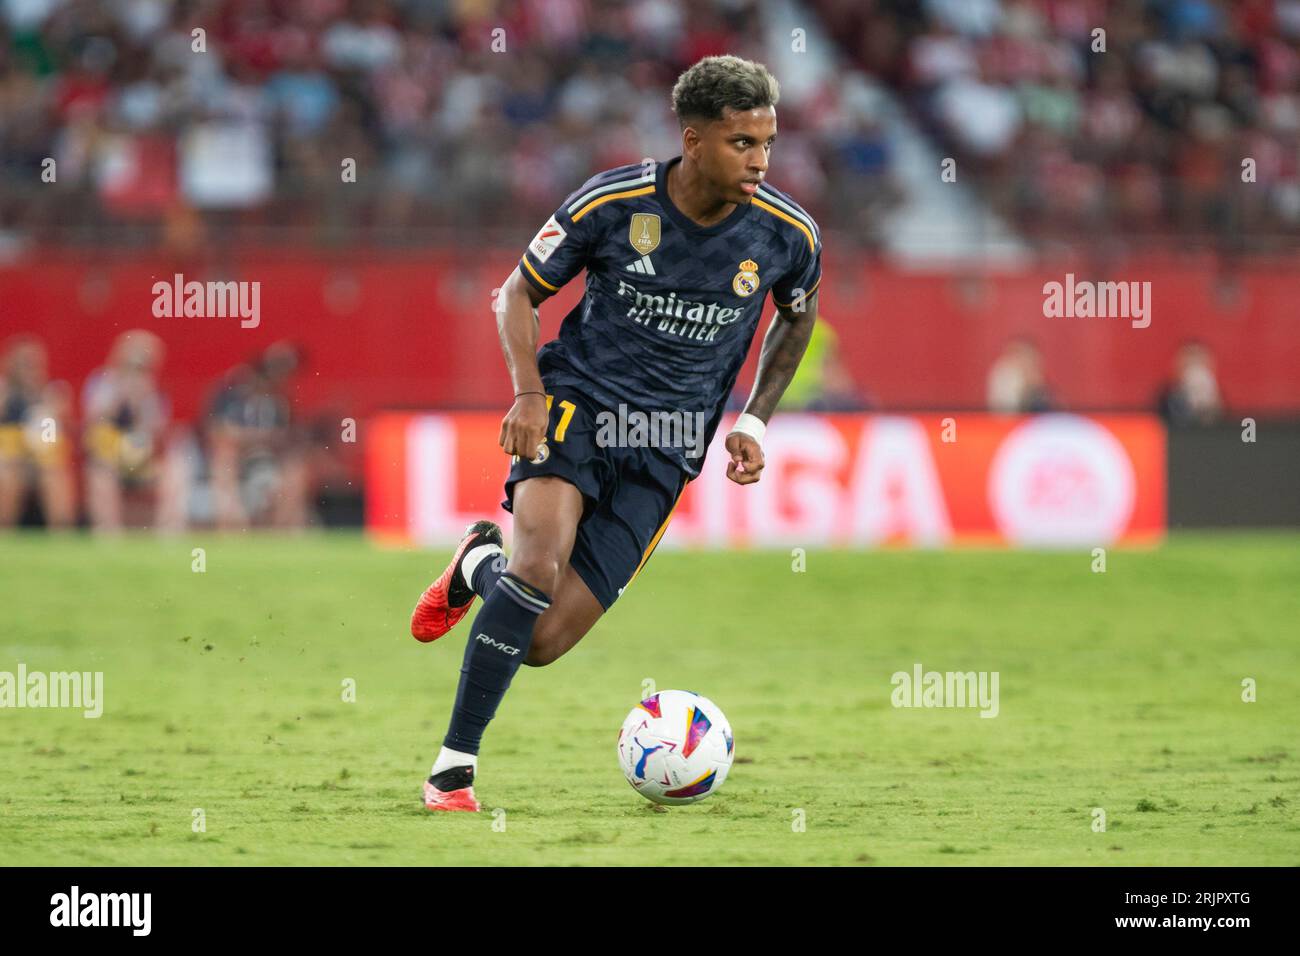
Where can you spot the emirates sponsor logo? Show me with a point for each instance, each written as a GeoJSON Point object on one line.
{"type": "Point", "coordinates": [674, 315]}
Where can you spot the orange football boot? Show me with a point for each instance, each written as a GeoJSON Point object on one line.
{"type": "Point", "coordinates": [449, 598]}
{"type": "Point", "coordinates": [461, 798]}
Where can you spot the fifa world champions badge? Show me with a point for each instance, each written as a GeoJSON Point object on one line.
{"type": "Point", "coordinates": [644, 232]}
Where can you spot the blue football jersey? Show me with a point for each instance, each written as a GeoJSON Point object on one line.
{"type": "Point", "coordinates": [671, 306]}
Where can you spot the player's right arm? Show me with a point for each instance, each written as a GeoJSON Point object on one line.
{"type": "Point", "coordinates": [557, 254]}
{"type": "Point", "coordinates": [524, 426]}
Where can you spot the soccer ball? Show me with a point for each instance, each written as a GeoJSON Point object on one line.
{"type": "Point", "coordinates": [676, 747]}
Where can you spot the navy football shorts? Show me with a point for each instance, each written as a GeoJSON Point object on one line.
{"type": "Point", "coordinates": [628, 493]}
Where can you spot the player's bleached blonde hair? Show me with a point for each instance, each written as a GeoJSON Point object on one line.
{"type": "Point", "coordinates": [715, 83]}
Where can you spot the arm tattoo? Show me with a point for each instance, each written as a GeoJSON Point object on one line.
{"type": "Point", "coordinates": [783, 346]}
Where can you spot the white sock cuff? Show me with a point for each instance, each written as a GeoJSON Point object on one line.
{"type": "Point", "coordinates": [447, 759]}
{"type": "Point", "coordinates": [474, 557]}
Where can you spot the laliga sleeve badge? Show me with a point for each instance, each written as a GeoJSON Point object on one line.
{"type": "Point", "coordinates": [746, 280]}
{"type": "Point", "coordinates": [547, 240]}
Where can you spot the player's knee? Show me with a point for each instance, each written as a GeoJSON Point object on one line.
{"type": "Point", "coordinates": [544, 649]}
{"type": "Point", "coordinates": [541, 570]}
{"type": "Point", "coordinates": [552, 637]}
{"type": "Point", "coordinates": [538, 657]}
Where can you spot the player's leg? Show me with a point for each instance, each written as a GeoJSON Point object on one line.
{"type": "Point", "coordinates": [12, 489]}
{"type": "Point", "coordinates": [224, 465]}
{"type": "Point", "coordinates": [611, 547]}
{"type": "Point", "coordinates": [13, 473]}
{"type": "Point", "coordinates": [291, 508]}
{"type": "Point", "coordinates": [104, 496]}
{"type": "Point", "coordinates": [58, 494]}
{"type": "Point", "coordinates": [573, 612]}
{"type": "Point", "coordinates": [574, 468]}
{"type": "Point", "coordinates": [178, 473]}
{"type": "Point", "coordinates": [547, 510]}
{"type": "Point", "coordinates": [549, 496]}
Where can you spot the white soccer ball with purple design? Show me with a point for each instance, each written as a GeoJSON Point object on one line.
{"type": "Point", "coordinates": [675, 747]}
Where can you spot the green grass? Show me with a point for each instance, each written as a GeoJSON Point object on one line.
{"type": "Point", "coordinates": [223, 692]}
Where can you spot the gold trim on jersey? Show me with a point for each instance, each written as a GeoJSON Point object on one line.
{"type": "Point", "coordinates": [626, 194]}
{"type": "Point", "coordinates": [812, 243]}
{"type": "Point", "coordinates": [553, 288]}
{"type": "Point", "coordinates": [790, 304]}
{"type": "Point", "coordinates": [655, 541]}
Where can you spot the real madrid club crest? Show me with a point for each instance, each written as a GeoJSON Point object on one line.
{"type": "Point", "coordinates": [543, 453]}
{"type": "Point", "coordinates": [643, 233]}
{"type": "Point", "coordinates": [746, 280]}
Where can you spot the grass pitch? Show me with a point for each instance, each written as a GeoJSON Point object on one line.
{"type": "Point", "coordinates": [223, 693]}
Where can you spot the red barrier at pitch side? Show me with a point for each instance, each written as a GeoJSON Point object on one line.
{"type": "Point", "coordinates": [417, 329]}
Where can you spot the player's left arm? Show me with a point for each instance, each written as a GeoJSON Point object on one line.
{"type": "Point", "coordinates": [783, 347]}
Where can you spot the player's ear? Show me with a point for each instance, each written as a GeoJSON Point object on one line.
{"type": "Point", "coordinates": [690, 140]}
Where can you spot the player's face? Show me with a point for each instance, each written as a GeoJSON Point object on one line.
{"type": "Point", "coordinates": [733, 151]}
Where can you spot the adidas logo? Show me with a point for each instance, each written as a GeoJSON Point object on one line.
{"type": "Point", "coordinates": [643, 266]}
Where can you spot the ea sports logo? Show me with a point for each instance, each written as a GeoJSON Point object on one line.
{"type": "Point", "coordinates": [1061, 480]}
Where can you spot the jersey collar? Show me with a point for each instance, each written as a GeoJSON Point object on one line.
{"type": "Point", "coordinates": [685, 221]}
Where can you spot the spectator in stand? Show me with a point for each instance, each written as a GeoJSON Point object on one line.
{"type": "Point", "coordinates": [256, 457]}
{"type": "Point", "coordinates": [34, 448]}
{"type": "Point", "coordinates": [125, 419]}
{"type": "Point", "coordinates": [1016, 383]}
{"type": "Point", "coordinates": [1192, 395]}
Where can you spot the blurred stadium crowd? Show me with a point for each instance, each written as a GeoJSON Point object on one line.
{"type": "Point", "coordinates": [156, 143]}
{"type": "Point", "coordinates": [247, 461]}
{"type": "Point", "coordinates": [162, 143]}
{"type": "Point", "coordinates": [1147, 137]}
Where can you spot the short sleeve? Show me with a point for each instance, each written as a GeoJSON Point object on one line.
{"type": "Point", "coordinates": [560, 249]}
{"type": "Point", "coordinates": [802, 280]}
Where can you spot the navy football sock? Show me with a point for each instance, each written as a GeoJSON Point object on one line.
{"type": "Point", "coordinates": [498, 641]}
{"type": "Point", "coordinates": [487, 574]}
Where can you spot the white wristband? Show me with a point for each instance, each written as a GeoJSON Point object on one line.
{"type": "Point", "coordinates": [750, 425]}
